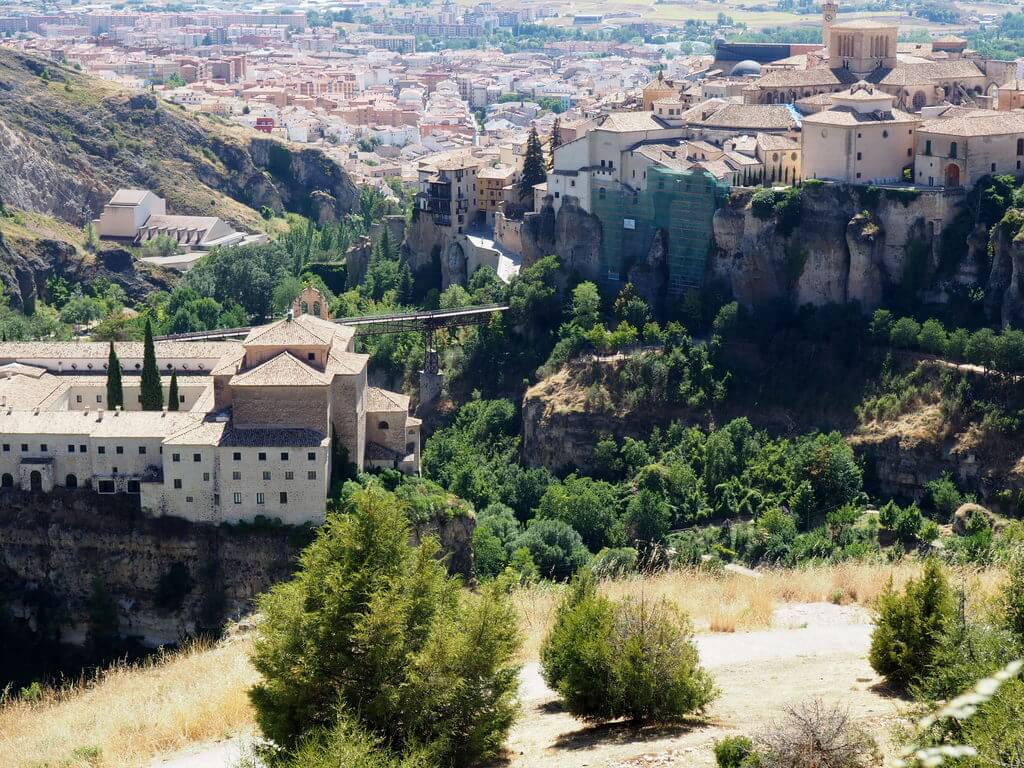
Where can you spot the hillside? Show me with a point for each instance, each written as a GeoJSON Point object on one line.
{"type": "Point", "coordinates": [70, 141]}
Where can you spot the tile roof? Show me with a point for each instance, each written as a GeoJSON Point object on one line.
{"type": "Point", "coordinates": [982, 125]}
{"type": "Point", "coordinates": [816, 76]}
{"type": "Point", "coordinates": [58, 350]}
{"type": "Point", "coordinates": [382, 401]}
{"type": "Point", "coordinates": [850, 116]}
{"type": "Point", "coordinates": [221, 433]}
{"type": "Point", "coordinates": [128, 196]}
{"type": "Point", "coordinates": [304, 330]}
{"type": "Point", "coordinates": [624, 122]}
{"type": "Point", "coordinates": [752, 117]}
{"type": "Point", "coordinates": [282, 370]}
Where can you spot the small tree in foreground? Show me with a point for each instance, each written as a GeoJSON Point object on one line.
{"type": "Point", "coordinates": [633, 659]}
{"type": "Point", "coordinates": [912, 626]}
{"type": "Point", "coordinates": [374, 630]}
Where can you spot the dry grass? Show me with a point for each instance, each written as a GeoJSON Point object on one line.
{"type": "Point", "coordinates": [730, 602]}
{"type": "Point", "coordinates": [133, 713]}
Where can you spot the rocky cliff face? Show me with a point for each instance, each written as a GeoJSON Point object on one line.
{"type": "Point", "coordinates": [168, 577]}
{"type": "Point", "coordinates": [848, 244]}
{"type": "Point", "coordinates": [572, 234]}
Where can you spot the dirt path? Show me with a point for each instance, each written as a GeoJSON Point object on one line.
{"type": "Point", "coordinates": [815, 651]}
{"type": "Point", "coordinates": [818, 651]}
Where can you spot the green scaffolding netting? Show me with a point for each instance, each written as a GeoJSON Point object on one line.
{"type": "Point", "coordinates": [680, 203]}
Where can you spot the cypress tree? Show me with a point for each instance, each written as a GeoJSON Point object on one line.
{"type": "Point", "coordinates": [152, 389]}
{"type": "Point", "coordinates": [115, 392]}
{"type": "Point", "coordinates": [533, 166]}
{"type": "Point", "coordinates": [172, 393]}
{"type": "Point", "coordinates": [405, 283]}
{"type": "Point", "coordinates": [556, 141]}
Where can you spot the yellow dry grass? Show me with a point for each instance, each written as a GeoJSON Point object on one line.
{"type": "Point", "coordinates": [133, 713]}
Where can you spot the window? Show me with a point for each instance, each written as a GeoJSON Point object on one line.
{"type": "Point", "coordinates": [928, 147]}
{"type": "Point", "coordinates": [206, 477]}
{"type": "Point", "coordinates": [216, 499]}
{"type": "Point", "coordinates": [101, 450]}
{"type": "Point", "coordinates": [858, 155]}
{"type": "Point", "coordinates": [99, 398]}
{"type": "Point", "coordinates": [237, 498]}
{"type": "Point", "coordinates": [236, 456]}
{"type": "Point", "coordinates": [188, 499]}
{"type": "Point", "coordinates": [284, 455]}
{"type": "Point", "coordinates": [106, 486]}
{"type": "Point", "coordinates": [78, 398]}
{"type": "Point", "coordinates": [177, 483]}
{"type": "Point", "coordinates": [289, 475]}
{"type": "Point", "coordinates": [993, 167]}
{"type": "Point", "coordinates": [82, 449]}
{"type": "Point", "coordinates": [266, 475]}
{"type": "Point", "coordinates": [1020, 146]}
{"type": "Point", "coordinates": [311, 475]}
{"type": "Point", "coordinates": [311, 455]}
{"type": "Point", "coordinates": [142, 450]}
{"type": "Point", "coordinates": [119, 450]}
{"type": "Point", "coordinates": [197, 457]}
{"type": "Point", "coordinates": [885, 134]}
{"type": "Point", "coordinates": [952, 149]}
{"type": "Point", "coordinates": [113, 470]}
{"type": "Point", "coordinates": [181, 398]}
{"type": "Point", "coordinates": [910, 152]}
{"type": "Point", "coordinates": [7, 447]}
{"type": "Point", "coordinates": [284, 497]}
{"type": "Point", "coordinates": [24, 447]}
{"type": "Point", "coordinates": [311, 355]}
{"type": "Point", "coordinates": [236, 475]}
{"type": "Point", "coordinates": [382, 425]}
{"type": "Point", "coordinates": [262, 456]}
{"type": "Point", "coordinates": [71, 449]}
{"type": "Point", "coordinates": [175, 457]}
{"type": "Point", "coordinates": [259, 498]}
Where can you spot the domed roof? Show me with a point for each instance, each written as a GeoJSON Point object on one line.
{"type": "Point", "coordinates": [745, 68]}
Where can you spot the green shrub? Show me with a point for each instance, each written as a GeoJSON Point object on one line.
{"type": "Point", "coordinates": [633, 659]}
{"type": "Point", "coordinates": [347, 744]}
{"type": "Point", "coordinates": [373, 628]}
{"type": "Point", "coordinates": [614, 563]}
{"type": "Point", "coordinates": [911, 627]}
{"type": "Point", "coordinates": [555, 548]}
{"type": "Point", "coordinates": [943, 497]}
{"type": "Point", "coordinates": [733, 751]}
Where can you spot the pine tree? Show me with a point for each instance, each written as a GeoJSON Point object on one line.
{"type": "Point", "coordinates": [533, 166]}
{"type": "Point", "coordinates": [405, 284]}
{"type": "Point", "coordinates": [115, 392]}
{"type": "Point", "coordinates": [172, 393]}
{"type": "Point", "coordinates": [556, 140]}
{"type": "Point", "coordinates": [152, 389]}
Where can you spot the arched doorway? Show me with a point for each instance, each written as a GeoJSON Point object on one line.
{"type": "Point", "coordinates": [71, 482]}
{"type": "Point", "coordinates": [952, 175]}
{"type": "Point", "coordinates": [35, 481]}
{"type": "Point", "coordinates": [7, 481]}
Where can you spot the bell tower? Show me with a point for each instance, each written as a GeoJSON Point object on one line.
{"type": "Point", "coordinates": [829, 10]}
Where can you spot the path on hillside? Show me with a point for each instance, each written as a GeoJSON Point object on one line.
{"type": "Point", "coordinates": [815, 651]}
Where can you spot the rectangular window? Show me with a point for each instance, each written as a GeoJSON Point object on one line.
{"type": "Point", "coordinates": [175, 457]}
{"type": "Point", "coordinates": [216, 499]}
{"type": "Point", "coordinates": [238, 498]}
{"type": "Point", "coordinates": [119, 450]}
{"type": "Point", "coordinates": [284, 497]}
{"type": "Point", "coordinates": [197, 457]}
{"type": "Point", "coordinates": [311, 475]}
{"type": "Point", "coordinates": [858, 155]}
{"type": "Point", "coordinates": [236, 456]}
{"type": "Point", "coordinates": [82, 449]}
{"type": "Point", "coordinates": [142, 450]}
{"type": "Point", "coordinates": [99, 398]}
{"type": "Point", "coordinates": [284, 455]}
{"type": "Point", "coordinates": [71, 449]}
{"type": "Point", "coordinates": [266, 475]}
{"type": "Point", "coordinates": [259, 498]}
{"type": "Point", "coordinates": [24, 447]}
{"type": "Point", "coordinates": [43, 447]}
{"type": "Point", "coordinates": [7, 447]}
{"type": "Point", "coordinates": [311, 355]}
{"type": "Point", "coordinates": [289, 475]}
{"type": "Point", "coordinates": [106, 486]}
{"type": "Point", "coordinates": [181, 398]}
{"type": "Point", "coordinates": [206, 477]}
{"type": "Point", "coordinates": [188, 499]}
{"type": "Point", "coordinates": [101, 450]}
{"type": "Point", "coordinates": [236, 475]}
{"type": "Point", "coordinates": [311, 455]}
{"type": "Point", "coordinates": [262, 456]}
{"type": "Point", "coordinates": [177, 484]}
{"type": "Point", "coordinates": [78, 398]}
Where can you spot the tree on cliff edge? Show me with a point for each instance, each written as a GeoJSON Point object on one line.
{"type": "Point", "coordinates": [152, 390]}
{"type": "Point", "coordinates": [115, 392]}
{"type": "Point", "coordinates": [533, 166]}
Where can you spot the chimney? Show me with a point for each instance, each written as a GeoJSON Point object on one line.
{"type": "Point", "coordinates": [291, 315]}
{"type": "Point", "coordinates": [117, 410]}
{"type": "Point", "coordinates": [99, 414]}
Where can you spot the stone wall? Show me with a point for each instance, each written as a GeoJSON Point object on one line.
{"type": "Point", "coordinates": [508, 233]}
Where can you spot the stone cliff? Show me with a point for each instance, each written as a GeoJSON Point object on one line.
{"type": "Point", "coordinates": [169, 577]}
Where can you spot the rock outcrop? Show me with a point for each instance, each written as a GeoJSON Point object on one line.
{"type": "Point", "coordinates": [572, 234]}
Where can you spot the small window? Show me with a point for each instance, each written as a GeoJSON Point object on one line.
{"type": "Point", "coordinates": [216, 499]}
{"type": "Point", "coordinates": [259, 498]}
{"type": "Point", "coordinates": [24, 447]}
{"type": "Point", "coordinates": [311, 455]}
{"type": "Point", "coordinates": [189, 499]}
{"type": "Point", "coordinates": [106, 486]}
{"type": "Point", "coordinates": [262, 456]}
{"type": "Point", "coordinates": [311, 355]}
{"type": "Point", "coordinates": [382, 425]}
{"type": "Point", "coordinates": [134, 486]}
{"type": "Point", "coordinates": [858, 155]}
{"type": "Point", "coordinates": [311, 475]}
{"type": "Point", "coordinates": [284, 497]}
{"type": "Point", "coordinates": [236, 475]}
{"type": "Point", "coordinates": [101, 450]}
{"type": "Point", "coordinates": [284, 455]}
{"type": "Point", "coordinates": [237, 498]}
{"type": "Point", "coordinates": [175, 457]}
{"type": "Point", "coordinates": [181, 398]}
{"type": "Point", "coordinates": [119, 450]}
{"type": "Point", "coordinates": [99, 398]}
{"type": "Point", "coordinates": [7, 447]}
{"type": "Point", "coordinates": [78, 398]}
{"type": "Point", "coordinates": [206, 477]}
{"type": "Point", "coordinates": [82, 449]}
{"type": "Point", "coordinates": [71, 449]}
{"type": "Point", "coordinates": [236, 456]}
{"type": "Point", "coordinates": [289, 475]}
{"type": "Point", "coordinates": [885, 134]}
{"type": "Point", "coordinates": [197, 457]}
{"type": "Point", "coordinates": [993, 167]}
{"type": "Point", "coordinates": [266, 475]}
{"type": "Point", "coordinates": [177, 484]}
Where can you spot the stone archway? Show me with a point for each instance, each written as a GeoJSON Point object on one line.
{"type": "Point", "coordinates": [7, 481]}
{"type": "Point", "coordinates": [952, 175]}
{"type": "Point", "coordinates": [35, 481]}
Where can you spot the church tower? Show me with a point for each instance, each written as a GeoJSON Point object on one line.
{"type": "Point", "coordinates": [829, 10]}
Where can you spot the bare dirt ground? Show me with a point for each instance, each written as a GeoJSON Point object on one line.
{"type": "Point", "coordinates": [814, 650]}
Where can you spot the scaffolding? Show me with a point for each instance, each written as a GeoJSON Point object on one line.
{"type": "Point", "coordinates": [681, 204]}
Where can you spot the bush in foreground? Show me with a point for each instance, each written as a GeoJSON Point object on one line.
{"type": "Point", "coordinates": [633, 659]}
{"type": "Point", "coordinates": [373, 629]}
{"type": "Point", "coordinates": [912, 627]}
{"type": "Point", "coordinates": [733, 752]}
{"type": "Point", "coordinates": [815, 735]}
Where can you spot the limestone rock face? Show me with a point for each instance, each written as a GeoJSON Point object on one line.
{"type": "Point", "coordinates": [572, 233]}
{"type": "Point", "coordinates": [650, 277]}
{"type": "Point", "coordinates": [454, 265]}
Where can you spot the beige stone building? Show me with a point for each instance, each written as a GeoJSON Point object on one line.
{"type": "Point", "coordinates": [959, 149]}
{"type": "Point", "coordinates": [260, 422]}
{"type": "Point", "coordinates": [861, 139]}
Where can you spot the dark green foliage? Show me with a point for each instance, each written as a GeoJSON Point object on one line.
{"type": "Point", "coordinates": [635, 659]}
{"type": "Point", "coordinates": [115, 390]}
{"type": "Point", "coordinates": [785, 205]}
{"type": "Point", "coordinates": [245, 275]}
{"type": "Point", "coordinates": [372, 630]}
{"type": "Point", "coordinates": [533, 166]}
{"type": "Point", "coordinates": [589, 506]}
{"type": "Point", "coordinates": [614, 563]}
{"type": "Point", "coordinates": [496, 530]}
{"type": "Point", "coordinates": [911, 627]}
{"type": "Point", "coordinates": [173, 402]}
{"type": "Point", "coordinates": [732, 751]}
{"type": "Point", "coordinates": [151, 392]}
{"type": "Point", "coordinates": [943, 498]}
{"type": "Point", "coordinates": [556, 549]}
